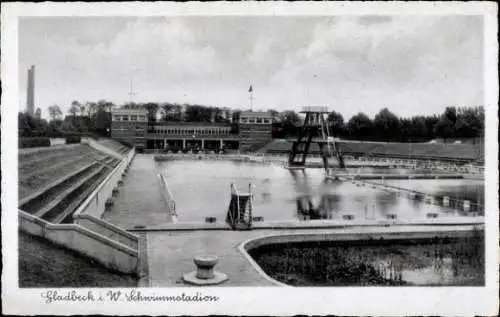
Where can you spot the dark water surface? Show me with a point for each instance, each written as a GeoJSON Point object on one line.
{"type": "Point", "coordinates": [456, 262]}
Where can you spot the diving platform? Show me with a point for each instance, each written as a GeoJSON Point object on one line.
{"type": "Point", "coordinates": [239, 214]}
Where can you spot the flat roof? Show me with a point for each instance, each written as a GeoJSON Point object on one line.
{"type": "Point", "coordinates": [194, 124]}
{"type": "Point", "coordinates": [255, 114]}
{"type": "Point", "coordinates": [321, 109]}
{"type": "Point", "coordinates": [129, 111]}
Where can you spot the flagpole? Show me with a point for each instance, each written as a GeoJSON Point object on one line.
{"type": "Point", "coordinates": [251, 100]}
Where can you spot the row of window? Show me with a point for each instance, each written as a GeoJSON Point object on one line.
{"type": "Point", "coordinates": [137, 129]}
{"type": "Point", "coordinates": [255, 120]}
{"type": "Point", "coordinates": [181, 131]}
{"type": "Point", "coordinates": [128, 118]}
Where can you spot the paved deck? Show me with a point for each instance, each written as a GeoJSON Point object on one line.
{"type": "Point", "coordinates": [170, 252]}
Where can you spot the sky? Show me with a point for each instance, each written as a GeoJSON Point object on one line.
{"type": "Point", "coordinates": [410, 64]}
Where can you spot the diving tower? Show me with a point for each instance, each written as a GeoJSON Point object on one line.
{"type": "Point", "coordinates": [239, 214]}
{"type": "Point", "coordinates": [314, 129]}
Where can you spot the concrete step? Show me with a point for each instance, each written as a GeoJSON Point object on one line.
{"type": "Point", "coordinates": [51, 193]}
{"type": "Point", "coordinates": [57, 182]}
{"type": "Point", "coordinates": [80, 198]}
{"type": "Point", "coordinates": [42, 212]}
{"type": "Point", "coordinates": [69, 160]}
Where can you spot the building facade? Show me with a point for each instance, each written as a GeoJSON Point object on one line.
{"type": "Point", "coordinates": [132, 126]}
{"type": "Point", "coordinates": [191, 135]}
{"type": "Point", "coordinates": [255, 129]}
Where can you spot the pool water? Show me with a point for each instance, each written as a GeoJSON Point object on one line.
{"type": "Point", "coordinates": [202, 189]}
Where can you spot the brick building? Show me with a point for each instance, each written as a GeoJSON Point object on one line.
{"type": "Point", "coordinates": [255, 129]}
{"type": "Point", "coordinates": [130, 125]}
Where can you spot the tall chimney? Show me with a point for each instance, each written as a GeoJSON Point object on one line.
{"type": "Point", "coordinates": [30, 99]}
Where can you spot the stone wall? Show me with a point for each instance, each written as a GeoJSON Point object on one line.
{"type": "Point", "coordinates": [95, 204]}
{"type": "Point", "coordinates": [107, 229]}
{"type": "Point", "coordinates": [109, 253]}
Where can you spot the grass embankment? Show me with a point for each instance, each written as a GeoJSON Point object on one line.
{"type": "Point", "coordinates": [43, 264]}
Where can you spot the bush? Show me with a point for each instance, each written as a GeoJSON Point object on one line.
{"type": "Point", "coordinates": [73, 139]}
{"type": "Point", "coordinates": [34, 142]}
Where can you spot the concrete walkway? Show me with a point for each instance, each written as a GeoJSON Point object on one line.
{"type": "Point", "coordinates": [170, 253]}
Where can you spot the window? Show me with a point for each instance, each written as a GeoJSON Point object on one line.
{"type": "Point", "coordinates": [251, 121]}
{"type": "Point", "coordinates": [116, 117]}
{"type": "Point", "coordinates": [133, 118]}
{"type": "Point", "coordinates": [125, 118]}
{"type": "Point", "coordinates": [142, 118]}
{"type": "Point", "coordinates": [259, 120]}
{"type": "Point", "coordinates": [267, 121]}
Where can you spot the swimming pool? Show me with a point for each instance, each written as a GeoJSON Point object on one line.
{"type": "Point", "coordinates": [202, 189]}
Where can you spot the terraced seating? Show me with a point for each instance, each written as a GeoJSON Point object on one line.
{"type": "Point", "coordinates": [115, 146]}
{"type": "Point", "coordinates": [465, 152]}
{"type": "Point", "coordinates": [34, 175]}
{"type": "Point", "coordinates": [31, 172]}
{"type": "Point", "coordinates": [53, 183]}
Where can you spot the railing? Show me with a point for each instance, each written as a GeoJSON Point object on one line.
{"type": "Point", "coordinates": [169, 198]}
{"type": "Point", "coordinates": [433, 199]}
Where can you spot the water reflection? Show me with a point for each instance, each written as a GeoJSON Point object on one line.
{"type": "Point", "coordinates": [201, 189]}
{"type": "Point", "coordinates": [310, 206]}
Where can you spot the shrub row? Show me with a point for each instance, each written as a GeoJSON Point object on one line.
{"type": "Point", "coordinates": [34, 142]}
{"type": "Point", "coordinates": [73, 139]}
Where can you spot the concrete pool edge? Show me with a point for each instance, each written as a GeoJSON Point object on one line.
{"type": "Point", "coordinates": [314, 224]}
{"type": "Point", "coordinates": [383, 234]}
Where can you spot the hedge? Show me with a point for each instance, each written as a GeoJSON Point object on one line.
{"type": "Point", "coordinates": [73, 139]}
{"type": "Point", "coordinates": [34, 142]}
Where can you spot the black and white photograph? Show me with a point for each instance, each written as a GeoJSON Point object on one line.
{"type": "Point", "coordinates": [295, 158]}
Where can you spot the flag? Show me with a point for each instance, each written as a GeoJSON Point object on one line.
{"type": "Point", "coordinates": [250, 89]}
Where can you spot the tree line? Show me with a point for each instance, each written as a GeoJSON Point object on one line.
{"type": "Point", "coordinates": [95, 118]}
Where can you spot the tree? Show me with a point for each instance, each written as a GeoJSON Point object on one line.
{"type": "Point", "coordinates": [77, 107]}
{"type": "Point", "coordinates": [236, 116]}
{"type": "Point", "coordinates": [387, 126]}
{"type": "Point", "coordinates": [450, 113]}
{"type": "Point", "coordinates": [360, 126]}
{"type": "Point", "coordinates": [470, 122]}
{"type": "Point", "coordinates": [55, 112]}
{"type": "Point", "coordinates": [100, 122]}
{"type": "Point", "coordinates": [336, 123]}
{"type": "Point", "coordinates": [290, 121]}
{"type": "Point", "coordinates": [444, 128]}
{"type": "Point", "coordinates": [416, 127]}
{"type": "Point", "coordinates": [73, 110]}
{"type": "Point", "coordinates": [275, 115]}
{"type": "Point", "coordinates": [198, 113]}
{"type": "Point", "coordinates": [90, 108]}
{"type": "Point", "coordinates": [430, 123]}
{"type": "Point", "coordinates": [152, 108]}
{"type": "Point", "coordinates": [27, 125]}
